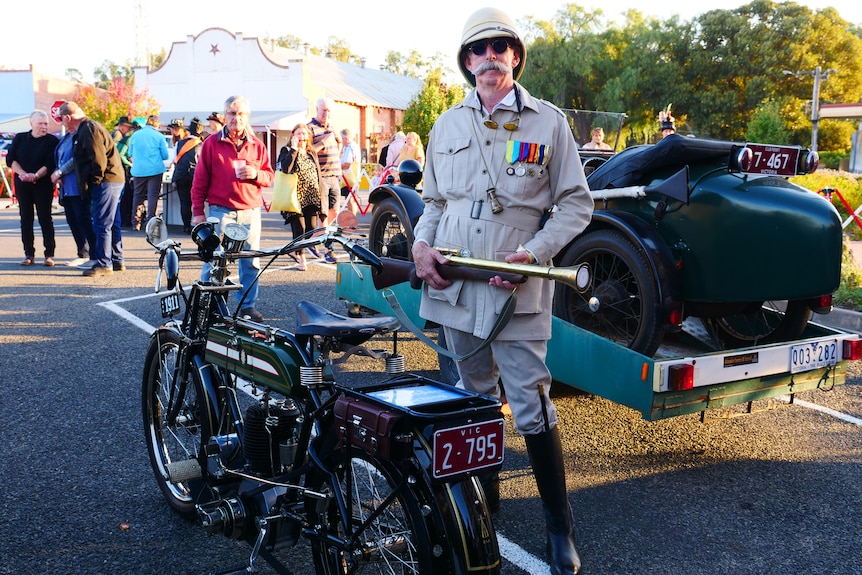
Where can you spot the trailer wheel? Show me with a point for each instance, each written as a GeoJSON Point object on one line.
{"type": "Point", "coordinates": [768, 324]}
{"type": "Point", "coordinates": [622, 304]}
{"type": "Point", "coordinates": [391, 233]}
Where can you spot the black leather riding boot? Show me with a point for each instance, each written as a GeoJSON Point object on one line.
{"type": "Point", "coordinates": [491, 486]}
{"type": "Point", "coordinates": [546, 457]}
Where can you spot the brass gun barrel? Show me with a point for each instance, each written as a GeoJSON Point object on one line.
{"type": "Point", "coordinates": [578, 277]}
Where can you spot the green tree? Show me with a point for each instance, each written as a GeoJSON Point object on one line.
{"type": "Point", "coordinates": [433, 99]}
{"type": "Point", "coordinates": [414, 64]}
{"type": "Point", "coordinates": [74, 75]}
{"type": "Point", "coordinates": [108, 71]}
{"type": "Point", "coordinates": [767, 125]}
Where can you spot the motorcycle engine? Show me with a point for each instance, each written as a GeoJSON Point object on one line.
{"type": "Point", "coordinates": [270, 436]}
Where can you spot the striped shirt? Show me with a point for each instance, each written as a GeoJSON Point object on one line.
{"type": "Point", "coordinates": [327, 147]}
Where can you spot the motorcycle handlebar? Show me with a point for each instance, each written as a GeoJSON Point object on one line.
{"type": "Point", "coordinates": [327, 237]}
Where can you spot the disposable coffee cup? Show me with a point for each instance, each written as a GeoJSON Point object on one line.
{"type": "Point", "coordinates": [238, 166]}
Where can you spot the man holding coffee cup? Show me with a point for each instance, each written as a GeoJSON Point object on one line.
{"type": "Point", "coordinates": [232, 169]}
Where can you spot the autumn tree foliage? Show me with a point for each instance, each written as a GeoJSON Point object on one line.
{"type": "Point", "coordinates": [119, 99]}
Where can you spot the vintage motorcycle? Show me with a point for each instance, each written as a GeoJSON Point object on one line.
{"type": "Point", "coordinates": [378, 479]}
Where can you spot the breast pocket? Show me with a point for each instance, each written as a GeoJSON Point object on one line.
{"type": "Point", "coordinates": [451, 161]}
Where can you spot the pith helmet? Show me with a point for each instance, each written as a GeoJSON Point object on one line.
{"type": "Point", "coordinates": [488, 23]}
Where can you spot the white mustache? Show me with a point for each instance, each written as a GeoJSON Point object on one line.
{"type": "Point", "coordinates": [492, 65]}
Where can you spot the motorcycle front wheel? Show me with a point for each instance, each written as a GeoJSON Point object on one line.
{"type": "Point", "coordinates": [175, 444]}
{"type": "Point", "coordinates": [382, 514]}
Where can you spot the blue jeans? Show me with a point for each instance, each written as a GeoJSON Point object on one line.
{"type": "Point", "coordinates": [105, 205]}
{"type": "Point", "coordinates": [80, 224]}
{"type": "Point", "coordinates": [248, 267]}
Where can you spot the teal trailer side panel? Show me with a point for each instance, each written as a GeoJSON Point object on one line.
{"type": "Point", "coordinates": [599, 366]}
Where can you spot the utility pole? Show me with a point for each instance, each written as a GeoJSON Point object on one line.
{"type": "Point", "coordinates": [819, 75]}
{"type": "Point", "coordinates": [142, 47]}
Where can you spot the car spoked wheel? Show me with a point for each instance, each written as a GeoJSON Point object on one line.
{"type": "Point", "coordinates": [622, 305]}
{"type": "Point", "coordinates": [391, 234]}
{"type": "Point", "coordinates": [773, 322]}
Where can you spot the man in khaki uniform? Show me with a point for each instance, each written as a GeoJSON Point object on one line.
{"type": "Point", "coordinates": [496, 163]}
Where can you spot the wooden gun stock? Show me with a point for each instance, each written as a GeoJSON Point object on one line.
{"type": "Point", "coordinates": [398, 271]}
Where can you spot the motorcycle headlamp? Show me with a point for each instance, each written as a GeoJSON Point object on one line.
{"type": "Point", "coordinates": [206, 239]}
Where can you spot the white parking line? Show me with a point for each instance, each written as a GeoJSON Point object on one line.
{"type": "Point", "coordinates": [836, 414]}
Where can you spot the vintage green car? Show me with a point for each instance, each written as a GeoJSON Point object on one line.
{"type": "Point", "coordinates": [685, 228]}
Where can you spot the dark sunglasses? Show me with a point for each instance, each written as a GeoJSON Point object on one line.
{"type": "Point", "coordinates": [499, 45]}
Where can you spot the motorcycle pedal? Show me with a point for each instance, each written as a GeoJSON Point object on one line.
{"type": "Point", "coordinates": [186, 470]}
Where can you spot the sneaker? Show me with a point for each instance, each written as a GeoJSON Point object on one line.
{"type": "Point", "coordinates": [76, 262]}
{"type": "Point", "coordinates": [250, 313]}
{"type": "Point", "coordinates": [330, 258]}
{"type": "Point", "coordinates": [314, 252]}
{"type": "Point", "coordinates": [49, 262]}
{"type": "Point", "coordinates": [98, 271]}
{"type": "Point", "coordinates": [118, 267]}
{"type": "Point", "coordinates": [87, 265]}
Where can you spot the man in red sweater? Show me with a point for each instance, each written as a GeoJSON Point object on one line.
{"type": "Point", "coordinates": [232, 169]}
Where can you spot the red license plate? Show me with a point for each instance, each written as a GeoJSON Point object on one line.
{"type": "Point", "coordinates": [467, 448]}
{"type": "Point", "coordinates": [773, 160]}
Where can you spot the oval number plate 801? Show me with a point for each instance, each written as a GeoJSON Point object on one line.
{"type": "Point", "coordinates": [467, 448]}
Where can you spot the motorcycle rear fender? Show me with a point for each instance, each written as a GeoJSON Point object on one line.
{"type": "Point", "coordinates": [656, 250]}
{"type": "Point", "coordinates": [409, 199]}
{"type": "Point", "coordinates": [465, 515]}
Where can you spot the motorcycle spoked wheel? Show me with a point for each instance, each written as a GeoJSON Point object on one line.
{"type": "Point", "coordinates": [622, 303]}
{"type": "Point", "coordinates": [396, 542]}
{"type": "Point", "coordinates": [391, 234]}
{"type": "Point", "coordinates": [185, 438]}
{"type": "Point", "coordinates": [767, 325]}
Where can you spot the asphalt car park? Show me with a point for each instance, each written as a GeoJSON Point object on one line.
{"type": "Point", "coordinates": [771, 492]}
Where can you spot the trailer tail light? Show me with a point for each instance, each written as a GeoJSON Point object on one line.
{"type": "Point", "coordinates": [822, 304]}
{"type": "Point", "coordinates": [853, 349]}
{"type": "Point", "coordinates": [680, 377]}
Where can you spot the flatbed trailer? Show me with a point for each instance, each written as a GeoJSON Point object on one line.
{"type": "Point", "coordinates": [686, 375]}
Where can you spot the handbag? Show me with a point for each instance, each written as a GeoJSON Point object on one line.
{"type": "Point", "coordinates": [284, 196]}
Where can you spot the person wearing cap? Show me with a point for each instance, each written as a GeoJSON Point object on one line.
{"type": "Point", "coordinates": [188, 143]}
{"type": "Point", "coordinates": [77, 210]}
{"type": "Point", "coordinates": [100, 181]}
{"type": "Point", "coordinates": [122, 134]}
{"type": "Point", "coordinates": [232, 170]}
{"type": "Point", "coordinates": [495, 165]}
{"type": "Point", "coordinates": [216, 122]}
{"type": "Point", "coordinates": [148, 151]}
{"type": "Point", "coordinates": [666, 122]}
